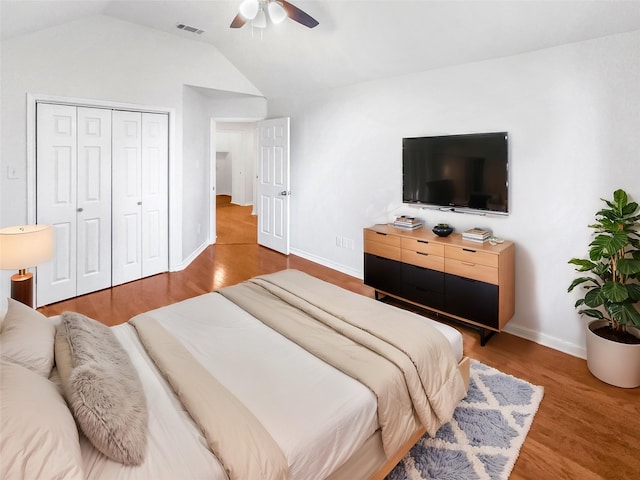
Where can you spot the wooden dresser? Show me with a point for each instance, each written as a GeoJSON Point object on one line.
{"type": "Point", "coordinates": [469, 281]}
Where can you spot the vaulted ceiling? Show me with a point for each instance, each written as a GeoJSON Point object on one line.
{"type": "Point", "coordinates": [355, 41]}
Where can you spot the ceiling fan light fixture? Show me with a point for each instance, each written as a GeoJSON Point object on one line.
{"type": "Point", "coordinates": [249, 9]}
{"type": "Point", "coordinates": [277, 13]}
{"type": "Point", "coordinates": [260, 20]}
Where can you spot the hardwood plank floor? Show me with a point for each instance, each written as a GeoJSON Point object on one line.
{"type": "Point", "coordinates": [584, 429]}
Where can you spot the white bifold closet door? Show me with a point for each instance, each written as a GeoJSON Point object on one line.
{"type": "Point", "coordinates": [140, 195]}
{"type": "Point", "coordinates": [102, 182]}
{"type": "Point", "coordinates": [73, 175]}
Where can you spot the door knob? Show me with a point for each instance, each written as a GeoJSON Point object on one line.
{"type": "Point", "coordinates": [80, 209]}
{"type": "Point", "coordinates": [285, 193]}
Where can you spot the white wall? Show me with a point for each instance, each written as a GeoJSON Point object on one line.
{"type": "Point", "coordinates": [572, 115]}
{"type": "Point", "coordinates": [196, 165]}
{"type": "Point", "coordinates": [105, 59]}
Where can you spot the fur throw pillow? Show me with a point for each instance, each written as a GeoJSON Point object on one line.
{"type": "Point", "coordinates": [102, 388]}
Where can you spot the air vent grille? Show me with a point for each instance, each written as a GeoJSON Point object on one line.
{"type": "Point", "coordinates": [189, 28]}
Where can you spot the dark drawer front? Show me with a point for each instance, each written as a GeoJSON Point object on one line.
{"type": "Point", "coordinates": [472, 299]}
{"type": "Point", "coordinates": [423, 286]}
{"type": "Point", "coordinates": [382, 273]}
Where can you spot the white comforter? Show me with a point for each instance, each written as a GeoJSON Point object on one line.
{"type": "Point", "coordinates": [317, 415]}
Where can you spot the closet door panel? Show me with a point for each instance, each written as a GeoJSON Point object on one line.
{"type": "Point", "coordinates": [155, 154]}
{"type": "Point", "coordinates": [126, 196]}
{"type": "Point", "coordinates": [56, 196]}
{"type": "Point", "coordinates": [94, 200]}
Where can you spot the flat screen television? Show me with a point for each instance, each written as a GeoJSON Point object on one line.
{"type": "Point", "coordinates": [467, 172]}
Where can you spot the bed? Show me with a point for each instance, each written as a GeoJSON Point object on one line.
{"type": "Point", "coordinates": [227, 387]}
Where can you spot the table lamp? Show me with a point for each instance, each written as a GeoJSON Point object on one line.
{"type": "Point", "coordinates": [22, 247]}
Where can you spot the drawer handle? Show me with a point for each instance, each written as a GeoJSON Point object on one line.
{"type": "Point", "coordinates": [422, 253]}
{"type": "Point", "coordinates": [381, 233]}
{"type": "Point", "coordinates": [423, 241]}
{"type": "Point", "coordinates": [422, 289]}
{"type": "Point", "coordinates": [469, 264]}
{"type": "Point", "coordinates": [469, 250]}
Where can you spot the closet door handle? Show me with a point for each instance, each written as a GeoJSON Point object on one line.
{"type": "Point", "coordinates": [80, 209]}
{"type": "Point", "coordinates": [139, 203]}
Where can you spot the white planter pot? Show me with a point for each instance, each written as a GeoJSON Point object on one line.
{"type": "Point", "coordinates": [612, 362]}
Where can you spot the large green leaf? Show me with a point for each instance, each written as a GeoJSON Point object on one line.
{"type": "Point", "coordinates": [634, 292]}
{"type": "Point", "coordinates": [614, 292]}
{"type": "Point", "coordinates": [629, 266]}
{"type": "Point", "coordinates": [594, 298]}
{"type": "Point", "coordinates": [581, 280]}
{"type": "Point", "coordinates": [620, 198]}
{"type": "Point", "coordinates": [592, 313]}
{"type": "Point", "coordinates": [585, 265]}
{"type": "Point", "coordinates": [629, 209]}
{"type": "Point", "coordinates": [607, 245]}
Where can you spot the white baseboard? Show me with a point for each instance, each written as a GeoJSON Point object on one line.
{"type": "Point", "coordinates": [546, 340]}
{"type": "Point", "coordinates": [187, 261]}
{"type": "Point", "coordinates": [323, 261]}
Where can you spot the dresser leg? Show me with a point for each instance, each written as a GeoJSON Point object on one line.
{"type": "Point", "coordinates": [485, 336]}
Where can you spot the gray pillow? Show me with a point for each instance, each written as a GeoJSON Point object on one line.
{"type": "Point", "coordinates": [102, 388]}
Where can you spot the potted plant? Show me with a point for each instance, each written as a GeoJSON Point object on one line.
{"type": "Point", "coordinates": [612, 292]}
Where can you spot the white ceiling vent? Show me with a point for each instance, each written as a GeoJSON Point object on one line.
{"type": "Point", "coordinates": [189, 28]}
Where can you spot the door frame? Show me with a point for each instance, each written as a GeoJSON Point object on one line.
{"type": "Point", "coordinates": [175, 170]}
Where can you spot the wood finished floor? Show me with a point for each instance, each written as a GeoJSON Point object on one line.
{"type": "Point", "coordinates": [583, 430]}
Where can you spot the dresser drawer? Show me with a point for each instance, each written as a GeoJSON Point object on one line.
{"type": "Point", "coordinates": [471, 270]}
{"type": "Point", "coordinates": [380, 237]}
{"type": "Point", "coordinates": [421, 259]}
{"type": "Point", "coordinates": [383, 274]}
{"type": "Point", "coordinates": [423, 246]}
{"type": "Point", "coordinates": [382, 250]}
{"type": "Point", "coordinates": [471, 255]}
{"type": "Point", "coordinates": [423, 286]}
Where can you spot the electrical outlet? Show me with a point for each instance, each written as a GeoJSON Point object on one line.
{"type": "Point", "coordinates": [347, 243]}
{"type": "Point", "coordinates": [339, 241]}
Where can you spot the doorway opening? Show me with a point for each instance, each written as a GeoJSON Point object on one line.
{"type": "Point", "coordinates": [235, 182]}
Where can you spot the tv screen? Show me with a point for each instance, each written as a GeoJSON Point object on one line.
{"type": "Point", "coordinates": [457, 171]}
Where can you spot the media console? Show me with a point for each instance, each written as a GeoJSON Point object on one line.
{"type": "Point", "coordinates": [468, 281]}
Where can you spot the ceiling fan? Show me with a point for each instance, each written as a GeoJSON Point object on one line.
{"type": "Point", "coordinates": [256, 11]}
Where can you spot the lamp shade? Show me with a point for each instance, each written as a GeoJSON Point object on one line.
{"type": "Point", "coordinates": [25, 246]}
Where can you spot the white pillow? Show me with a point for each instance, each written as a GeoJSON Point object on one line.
{"type": "Point", "coordinates": [27, 338]}
{"type": "Point", "coordinates": [39, 436]}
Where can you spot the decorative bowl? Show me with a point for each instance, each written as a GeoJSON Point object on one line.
{"type": "Point", "coordinates": [442, 229]}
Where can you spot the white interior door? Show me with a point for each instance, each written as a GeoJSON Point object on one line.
{"type": "Point", "coordinates": [126, 196]}
{"type": "Point", "coordinates": [273, 184]}
{"type": "Point", "coordinates": [56, 165]}
{"type": "Point", "coordinates": [155, 201]}
{"type": "Point", "coordinates": [94, 200]}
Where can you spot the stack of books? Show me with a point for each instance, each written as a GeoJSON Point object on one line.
{"type": "Point", "coordinates": [476, 235]}
{"type": "Point", "coordinates": [404, 221]}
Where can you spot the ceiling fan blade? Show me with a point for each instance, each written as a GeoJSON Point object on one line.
{"type": "Point", "coordinates": [298, 15]}
{"type": "Point", "coordinates": [238, 21]}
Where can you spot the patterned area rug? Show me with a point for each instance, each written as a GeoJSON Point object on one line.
{"type": "Point", "coordinates": [483, 440]}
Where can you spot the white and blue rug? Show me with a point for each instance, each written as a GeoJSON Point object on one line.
{"type": "Point", "coordinates": [483, 440]}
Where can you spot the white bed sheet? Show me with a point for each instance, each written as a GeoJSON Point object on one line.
{"type": "Point", "coordinates": [317, 415]}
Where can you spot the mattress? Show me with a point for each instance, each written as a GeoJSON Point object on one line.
{"type": "Point", "coordinates": [317, 415]}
